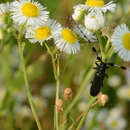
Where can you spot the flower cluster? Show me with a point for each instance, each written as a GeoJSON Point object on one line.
{"type": "Point", "coordinates": [39, 27]}
{"type": "Point", "coordinates": [93, 11]}
{"type": "Point", "coordinates": [93, 15]}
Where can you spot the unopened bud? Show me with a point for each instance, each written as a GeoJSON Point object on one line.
{"type": "Point", "coordinates": [94, 21]}
{"type": "Point", "coordinates": [107, 31]}
{"type": "Point", "coordinates": [78, 13]}
{"type": "Point", "coordinates": [59, 105]}
{"type": "Point", "coordinates": [104, 31]}
{"type": "Point", "coordinates": [67, 93]}
{"type": "Point", "coordinates": [113, 25]}
{"type": "Point", "coordinates": [102, 99]}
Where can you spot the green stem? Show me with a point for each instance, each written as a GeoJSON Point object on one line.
{"type": "Point", "coordinates": [82, 87]}
{"type": "Point", "coordinates": [110, 53]}
{"type": "Point", "coordinates": [107, 45]}
{"type": "Point", "coordinates": [85, 114]}
{"type": "Point", "coordinates": [26, 80]}
{"type": "Point", "coordinates": [57, 92]}
{"type": "Point", "coordinates": [56, 71]}
{"type": "Point", "coordinates": [101, 45]}
{"type": "Point", "coordinates": [53, 60]}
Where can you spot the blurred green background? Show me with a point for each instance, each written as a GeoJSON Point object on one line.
{"type": "Point", "coordinates": [15, 113]}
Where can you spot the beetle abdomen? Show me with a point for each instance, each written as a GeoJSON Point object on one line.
{"type": "Point", "coordinates": [96, 85]}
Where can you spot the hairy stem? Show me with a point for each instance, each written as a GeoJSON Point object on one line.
{"type": "Point", "coordinates": [56, 71]}
{"type": "Point", "coordinates": [107, 45]}
{"type": "Point", "coordinates": [101, 45]}
{"type": "Point", "coordinates": [29, 95]}
{"type": "Point", "coordinates": [110, 53]}
{"type": "Point", "coordinates": [53, 60]}
{"type": "Point", "coordinates": [57, 89]}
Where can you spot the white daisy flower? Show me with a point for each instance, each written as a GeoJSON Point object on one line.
{"type": "Point", "coordinates": [121, 41]}
{"type": "Point", "coordinates": [124, 92]}
{"type": "Point", "coordinates": [67, 41]}
{"type": "Point", "coordinates": [4, 8]}
{"type": "Point", "coordinates": [29, 12]}
{"type": "Point", "coordinates": [78, 11]}
{"type": "Point", "coordinates": [84, 33]}
{"type": "Point", "coordinates": [44, 32]}
{"type": "Point", "coordinates": [94, 21]}
{"type": "Point", "coordinates": [115, 123]}
{"type": "Point", "coordinates": [98, 6]}
{"type": "Point", "coordinates": [115, 120]}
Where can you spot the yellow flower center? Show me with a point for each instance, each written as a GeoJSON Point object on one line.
{"type": "Point", "coordinates": [126, 41]}
{"type": "Point", "coordinates": [95, 3]}
{"type": "Point", "coordinates": [93, 17]}
{"type": "Point", "coordinates": [115, 124]}
{"type": "Point", "coordinates": [69, 36]}
{"type": "Point", "coordinates": [43, 33]}
{"type": "Point", "coordinates": [30, 10]}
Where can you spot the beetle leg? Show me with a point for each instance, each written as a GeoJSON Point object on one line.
{"type": "Point", "coordinates": [97, 64]}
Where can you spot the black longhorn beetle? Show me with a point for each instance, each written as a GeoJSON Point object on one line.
{"type": "Point", "coordinates": [100, 74]}
{"type": "Point", "coordinates": [101, 67]}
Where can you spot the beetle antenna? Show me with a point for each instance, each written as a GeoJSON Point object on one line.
{"type": "Point", "coordinates": [81, 30]}
{"type": "Point", "coordinates": [122, 67]}
{"type": "Point", "coordinates": [98, 58]}
{"type": "Point", "coordinates": [94, 50]}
